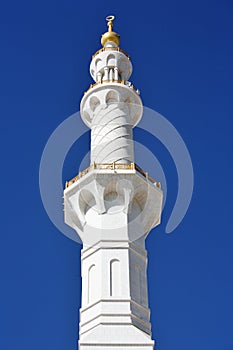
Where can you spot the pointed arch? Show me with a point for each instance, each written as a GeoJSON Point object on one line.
{"type": "Point", "coordinates": [115, 278]}
{"type": "Point", "coordinates": [111, 97]}
{"type": "Point", "coordinates": [94, 103]}
{"type": "Point", "coordinates": [98, 63]}
{"type": "Point", "coordinates": [92, 280]}
{"type": "Point", "coordinates": [111, 60]}
{"type": "Point", "coordinates": [86, 200]}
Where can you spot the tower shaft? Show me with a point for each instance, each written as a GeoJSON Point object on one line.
{"type": "Point", "coordinates": [114, 297]}
{"type": "Point", "coordinates": [113, 205]}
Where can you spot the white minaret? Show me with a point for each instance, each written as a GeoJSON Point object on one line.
{"type": "Point", "coordinates": [113, 205]}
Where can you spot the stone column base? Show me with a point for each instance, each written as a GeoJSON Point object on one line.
{"type": "Point", "coordinates": [116, 337]}
{"type": "Point", "coordinates": [116, 347]}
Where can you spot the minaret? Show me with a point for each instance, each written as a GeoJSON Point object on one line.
{"type": "Point", "coordinates": [113, 205]}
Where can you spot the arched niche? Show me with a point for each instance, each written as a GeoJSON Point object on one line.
{"type": "Point", "coordinates": [94, 103]}
{"type": "Point", "coordinates": [98, 64]}
{"type": "Point", "coordinates": [86, 200]}
{"type": "Point", "coordinates": [112, 97]}
{"type": "Point", "coordinates": [111, 60]}
{"type": "Point", "coordinates": [115, 278]}
{"type": "Point", "coordinates": [92, 284]}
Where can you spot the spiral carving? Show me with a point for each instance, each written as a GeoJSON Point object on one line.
{"type": "Point", "coordinates": [111, 135]}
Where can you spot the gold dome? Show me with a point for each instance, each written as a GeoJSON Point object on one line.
{"type": "Point", "coordinates": [110, 35]}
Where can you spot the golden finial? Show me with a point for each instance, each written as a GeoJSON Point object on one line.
{"type": "Point", "coordinates": [110, 20]}
{"type": "Point", "coordinates": [110, 36]}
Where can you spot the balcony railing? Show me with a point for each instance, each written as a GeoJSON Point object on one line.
{"type": "Point", "coordinates": [114, 81]}
{"type": "Point", "coordinates": [111, 49]}
{"type": "Point", "coordinates": [112, 166]}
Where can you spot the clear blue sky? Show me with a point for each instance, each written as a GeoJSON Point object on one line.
{"type": "Point", "coordinates": [182, 56]}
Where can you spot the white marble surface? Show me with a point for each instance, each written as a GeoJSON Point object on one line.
{"type": "Point", "coordinates": [113, 211]}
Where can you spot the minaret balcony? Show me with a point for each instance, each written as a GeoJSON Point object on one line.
{"type": "Point", "coordinates": [112, 200]}
{"type": "Point", "coordinates": [112, 167]}
{"type": "Point", "coordinates": [126, 83]}
{"type": "Point", "coordinates": [111, 49]}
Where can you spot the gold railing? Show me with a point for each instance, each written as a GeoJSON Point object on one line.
{"type": "Point", "coordinates": [112, 166]}
{"type": "Point", "coordinates": [113, 81]}
{"type": "Point", "coordinates": [111, 49]}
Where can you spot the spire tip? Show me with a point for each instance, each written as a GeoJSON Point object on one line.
{"type": "Point", "coordinates": [110, 36]}
{"type": "Point", "coordinates": [110, 20]}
